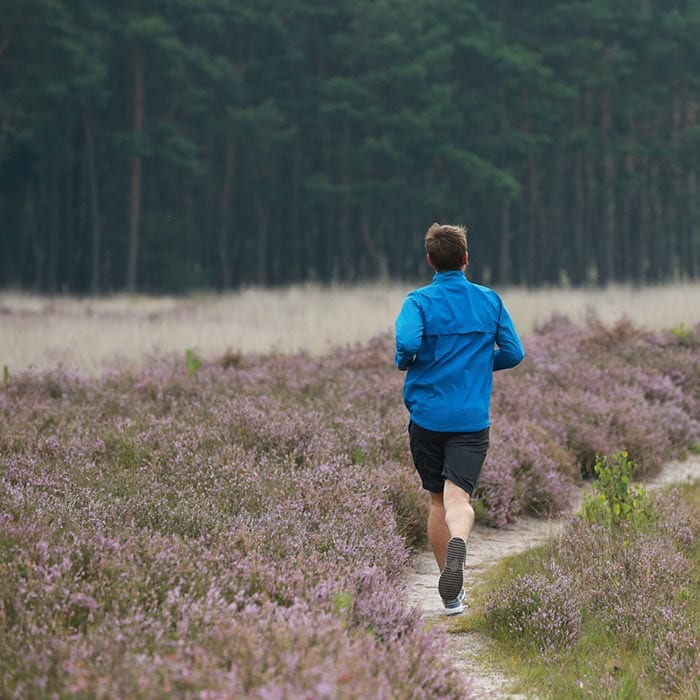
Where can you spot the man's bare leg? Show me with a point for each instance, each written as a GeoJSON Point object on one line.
{"type": "Point", "coordinates": [459, 514]}
{"type": "Point", "coordinates": [438, 534]}
{"type": "Point", "coordinates": [451, 515]}
{"type": "Point", "coordinates": [459, 519]}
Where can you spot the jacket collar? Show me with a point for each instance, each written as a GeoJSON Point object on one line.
{"type": "Point", "coordinates": [448, 275]}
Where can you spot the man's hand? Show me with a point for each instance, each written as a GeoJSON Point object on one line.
{"type": "Point", "coordinates": [405, 369]}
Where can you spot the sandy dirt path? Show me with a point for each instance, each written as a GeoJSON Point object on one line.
{"type": "Point", "coordinates": [469, 651]}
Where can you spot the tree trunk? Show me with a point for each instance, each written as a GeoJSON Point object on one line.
{"type": "Point", "coordinates": [94, 188]}
{"type": "Point", "coordinates": [188, 200]}
{"type": "Point", "coordinates": [263, 220]}
{"type": "Point", "coordinates": [347, 258]}
{"type": "Point", "coordinates": [559, 221]}
{"type": "Point", "coordinates": [347, 266]}
{"type": "Point", "coordinates": [225, 206]}
{"type": "Point", "coordinates": [503, 274]}
{"type": "Point", "coordinates": [71, 221]}
{"type": "Point", "coordinates": [136, 169]}
{"type": "Point", "coordinates": [692, 230]}
{"type": "Point", "coordinates": [5, 251]}
{"type": "Point", "coordinates": [32, 234]}
{"type": "Point", "coordinates": [693, 246]}
{"type": "Point", "coordinates": [659, 250]}
{"type": "Point", "coordinates": [329, 265]}
{"type": "Point", "coordinates": [295, 242]}
{"type": "Point", "coordinates": [49, 223]}
{"type": "Point", "coordinates": [193, 256]}
{"type": "Point", "coordinates": [590, 188]}
{"type": "Point", "coordinates": [55, 248]}
{"type": "Point", "coordinates": [577, 263]}
{"type": "Point", "coordinates": [534, 267]}
{"type": "Point", "coordinates": [376, 266]}
{"type": "Point", "coordinates": [645, 224]}
{"type": "Point", "coordinates": [674, 220]}
{"type": "Point", "coordinates": [325, 266]}
{"type": "Point", "coordinates": [693, 233]}
{"type": "Point", "coordinates": [208, 214]}
{"type": "Point", "coordinates": [606, 267]}
{"type": "Point", "coordinates": [631, 268]}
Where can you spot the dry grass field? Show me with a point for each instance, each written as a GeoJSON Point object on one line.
{"type": "Point", "coordinates": [94, 334]}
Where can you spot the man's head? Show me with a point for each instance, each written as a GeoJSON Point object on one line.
{"type": "Point", "coordinates": [446, 247]}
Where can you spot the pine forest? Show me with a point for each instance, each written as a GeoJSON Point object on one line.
{"type": "Point", "coordinates": [190, 144]}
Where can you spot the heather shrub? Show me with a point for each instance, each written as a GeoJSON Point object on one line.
{"type": "Point", "coordinates": [526, 471]}
{"type": "Point", "coordinates": [637, 586]}
{"type": "Point", "coordinates": [409, 505]}
{"type": "Point", "coordinates": [542, 610]}
{"type": "Point", "coordinates": [192, 533]}
{"type": "Point", "coordinates": [599, 389]}
{"type": "Point", "coordinates": [162, 527]}
{"type": "Point", "coordinates": [603, 591]}
{"type": "Point", "coordinates": [674, 657]}
{"type": "Point", "coordinates": [579, 393]}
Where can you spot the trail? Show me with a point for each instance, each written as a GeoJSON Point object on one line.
{"type": "Point", "coordinates": [468, 651]}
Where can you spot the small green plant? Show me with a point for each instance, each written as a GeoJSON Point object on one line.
{"type": "Point", "coordinates": [343, 602]}
{"type": "Point", "coordinates": [683, 335]}
{"type": "Point", "coordinates": [357, 455]}
{"type": "Point", "coordinates": [615, 500]}
{"type": "Point", "coordinates": [192, 362]}
{"type": "Point", "coordinates": [5, 375]}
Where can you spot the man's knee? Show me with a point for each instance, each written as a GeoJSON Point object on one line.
{"type": "Point", "coordinates": [453, 491]}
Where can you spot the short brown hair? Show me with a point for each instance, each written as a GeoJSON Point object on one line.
{"type": "Point", "coordinates": [446, 246]}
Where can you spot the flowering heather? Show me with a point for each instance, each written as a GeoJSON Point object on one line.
{"type": "Point", "coordinates": [242, 528]}
{"type": "Point", "coordinates": [226, 534]}
{"type": "Point", "coordinates": [581, 392]}
{"type": "Point", "coordinates": [635, 583]}
{"type": "Point", "coordinates": [543, 608]}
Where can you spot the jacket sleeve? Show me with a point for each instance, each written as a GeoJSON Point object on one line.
{"type": "Point", "coordinates": [509, 352]}
{"type": "Point", "coordinates": [409, 332]}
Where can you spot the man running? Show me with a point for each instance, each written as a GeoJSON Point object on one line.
{"type": "Point", "coordinates": [450, 337]}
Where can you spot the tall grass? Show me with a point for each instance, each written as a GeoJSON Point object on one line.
{"type": "Point", "coordinates": [93, 334]}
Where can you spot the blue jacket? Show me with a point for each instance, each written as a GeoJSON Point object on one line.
{"type": "Point", "coordinates": [446, 335]}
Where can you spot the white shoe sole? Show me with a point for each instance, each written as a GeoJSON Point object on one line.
{"type": "Point", "coordinates": [454, 611]}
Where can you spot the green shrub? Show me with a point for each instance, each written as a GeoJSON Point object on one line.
{"type": "Point", "coordinates": [684, 336]}
{"type": "Point", "coordinates": [192, 361]}
{"type": "Point", "coordinates": [614, 499]}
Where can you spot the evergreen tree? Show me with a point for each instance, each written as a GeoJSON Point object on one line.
{"type": "Point", "coordinates": [168, 146]}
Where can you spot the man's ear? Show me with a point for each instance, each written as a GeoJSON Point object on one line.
{"type": "Point", "coordinates": [465, 259]}
{"type": "Point", "coordinates": [429, 259]}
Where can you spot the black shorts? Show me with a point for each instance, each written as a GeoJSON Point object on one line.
{"type": "Point", "coordinates": [454, 456]}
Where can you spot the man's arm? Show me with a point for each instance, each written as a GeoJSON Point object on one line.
{"type": "Point", "coordinates": [510, 350]}
{"type": "Point", "coordinates": [409, 333]}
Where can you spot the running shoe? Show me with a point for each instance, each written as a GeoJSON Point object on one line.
{"type": "Point", "coordinates": [456, 606]}
{"type": "Point", "coordinates": [451, 580]}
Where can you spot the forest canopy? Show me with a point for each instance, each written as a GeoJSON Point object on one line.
{"type": "Point", "coordinates": [170, 146]}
